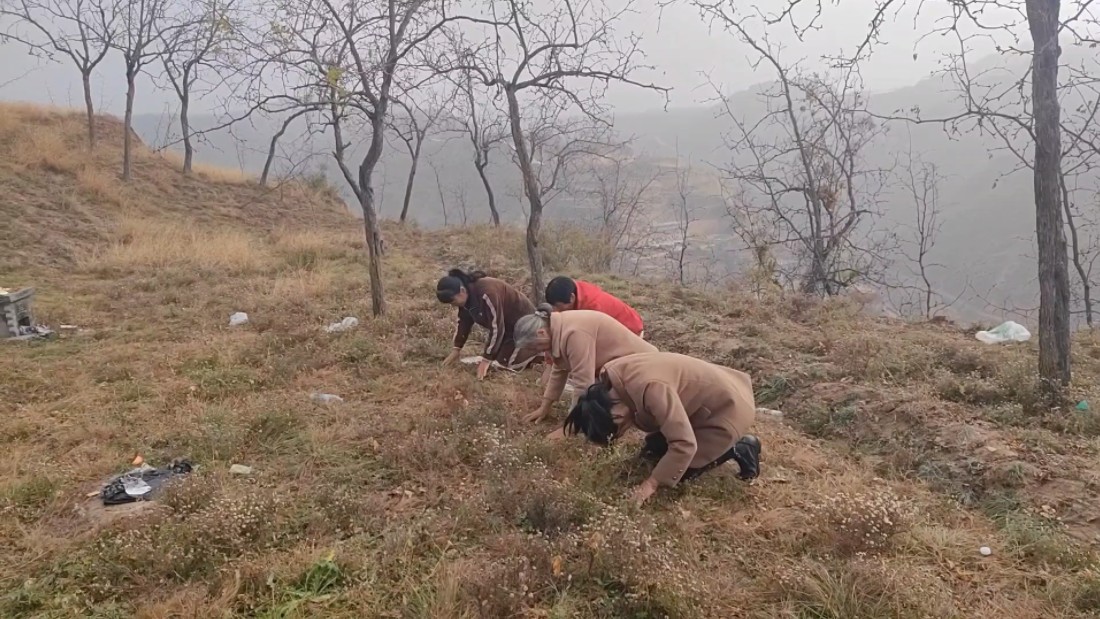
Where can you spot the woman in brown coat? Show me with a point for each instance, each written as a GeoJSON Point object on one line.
{"type": "Point", "coordinates": [579, 342]}
{"type": "Point", "coordinates": [696, 415]}
{"type": "Point", "coordinates": [492, 304]}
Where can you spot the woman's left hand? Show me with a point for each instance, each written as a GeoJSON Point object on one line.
{"type": "Point", "coordinates": [645, 490]}
{"type": "Point", "coordinates": [483, 369]}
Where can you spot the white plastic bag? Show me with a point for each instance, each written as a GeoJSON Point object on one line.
{"type": "Point", "coordinates": [344, 325]}
{"type": "Point", "coordinates": [238, 319]}
{"type": "Point", "coordinates": [1004, 332]}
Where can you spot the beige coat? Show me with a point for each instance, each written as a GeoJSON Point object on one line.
{"type": "Point", "coordinates": [702, 409]}
{"type": "Point", "coordinates": [581, 342]}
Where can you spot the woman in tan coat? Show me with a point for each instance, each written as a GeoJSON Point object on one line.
{"type": "Point", "coordinates": [579, 342]}
{"type": "Point", "coordinates": [696, 414]}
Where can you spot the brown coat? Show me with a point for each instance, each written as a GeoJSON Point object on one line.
{"type": "Point", "coordinates": [581, 342]}
{"type": "Point", "coordinates": [702, 409]}
{"type": "Point", "coordinates": [496, 306]}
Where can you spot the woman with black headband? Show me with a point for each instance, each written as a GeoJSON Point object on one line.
{"type": "Point", "coordinates": [491, 303]}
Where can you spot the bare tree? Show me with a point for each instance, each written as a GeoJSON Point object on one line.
{"type": "Point", "coordinates": [486, 128]}
{"type": "Point", "coordinates": [139, 41]}
{"type": "Point", "coordinates": [684, 212]}
{"type": "Point", "coordinates": [367, 47]}
{"type": "Point", "coordinates": [620, 189]}
{"type": "Point", "coordinates": [802, 169]}
{"type": "Point", "coordinates": [191, 40]}
{"type": "Point", "coordinates": [412, 128]}
{"type": "Point", "coordinates": [559, 58]}
{"type": "Point", "coordinates": [80, 30]}
{"type": "Point", "coordinates": [921, 181]}
{"type": "Point", "coordinates": [1001, 21]}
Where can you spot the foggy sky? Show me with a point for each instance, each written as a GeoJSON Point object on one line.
{"type": "Point", "coordinates": [677, 42]}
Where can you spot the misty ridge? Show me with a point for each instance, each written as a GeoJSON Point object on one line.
{"type": "Point", "coordinates": [812, 180]}
{"type": "Point", "coordinates": [982, 263]}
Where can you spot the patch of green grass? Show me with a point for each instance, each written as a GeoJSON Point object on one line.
{"type": "Point", "coordinates": [773, 390]}
{"type": "Point", "coordinates": [318, 583]}
{"type": "Point", "coordinates": [27, 497]}
{"type": "Point", "coordinates": [214, 380]}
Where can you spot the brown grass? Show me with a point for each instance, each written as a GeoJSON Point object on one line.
{"type": "Point", "coordinates": [425, 495]}
{"type": "Point", "coordinates": [144, 243]}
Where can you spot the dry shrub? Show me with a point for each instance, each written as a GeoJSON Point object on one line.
{"type": "Point", "coordinates": [183, 545]}
{"type": "Point", "coordinates": [99, 186]}
{"type": "Point", "coordinates": [864, 522]}
{"type": "Point", "coordinates": [569, 247]}
{"type": "Point", "coordinates": [301, 284]}
{"type": "Point", "coordinates": [209, 173]}
{"type": "Point", "coordinates": [868, 355]}
{"type": "Point", "coordinates": [305, 248]}
{"type": "Point", "coordinates": [158, 244]}
{"type": "Point", "coordinates": [861, 589]}
{"type": "Point", "coordinates": [45, 147]}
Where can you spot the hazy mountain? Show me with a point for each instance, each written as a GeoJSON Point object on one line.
{"type": "Point", "coordinates": [985, 247]}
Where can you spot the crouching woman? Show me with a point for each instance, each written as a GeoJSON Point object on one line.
{"type": "Point", "coordinates": [579, 343]}
{"type": "Point", "coordinates": [492, 304]}
{"type": "Point", "coordinates": [696, 415]}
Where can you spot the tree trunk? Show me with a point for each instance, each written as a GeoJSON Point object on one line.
{"type": "Point", "coordinates": [128, 128]}
{"type": "Point", "coordinates": [1054, 330]}
{"type": "Point", "coordinates": [1075, 252]}
{"type": "Point", "coordinates": [481, 164]}
{"type": "Point", "coordinates": [185, 127]}
{"type": "Point", "coordinates": [86, 81]}
{"type": "Point", "coordinates": [409, 183]}
{"type": "Point", "coordinates": [370, 216]}
{"type": "Point", "coordinates": [531, 189]}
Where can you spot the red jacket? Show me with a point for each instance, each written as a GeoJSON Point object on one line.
{"type": "Point", "coordinates": [592, 297]}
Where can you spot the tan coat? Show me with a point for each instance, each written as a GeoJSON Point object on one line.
{"type": "Point", "coordinates": [581, 342]}
{"type": "Point", "coordinates": [702, 409]}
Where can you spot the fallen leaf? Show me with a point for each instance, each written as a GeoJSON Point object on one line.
{"type": "Point", "coordinates": [555, 565]}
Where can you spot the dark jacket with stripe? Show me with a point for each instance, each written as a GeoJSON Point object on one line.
{"type": "Point", "coordinates": [496, 306]}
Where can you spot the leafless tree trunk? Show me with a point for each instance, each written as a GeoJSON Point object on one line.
{"type": "Point", "coordinates": [81, 30]}
{"type": "Point", "coordinates": [485, 128]}
{"type": "Point", "coordinates": [139, 42]}
{"type": "Point", "coordinates": [190, 42]}
{"type": "Point", "coordinates": [685, 216]}
{"type": "Point", "coordinates": [1054, 332]}
{"type": "Point", "coordinates": [562, 56]}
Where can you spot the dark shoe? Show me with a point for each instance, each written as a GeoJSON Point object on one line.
{"type": "Point", "coordinates": [747, 454]}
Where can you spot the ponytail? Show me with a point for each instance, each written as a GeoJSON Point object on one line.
{"type": "Point", "coordinates": [456, 280]}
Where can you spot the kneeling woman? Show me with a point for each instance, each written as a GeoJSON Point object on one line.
{"type": "Point", "coordinates": [491, 303]}
{"type": "Point", "coordinates": [580, 343]}
{"type": "Point", "coordinates": [696, 415]}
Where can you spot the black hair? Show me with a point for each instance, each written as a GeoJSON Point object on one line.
{"type": "Point", "coordinates": [560, 290]}
{"type": "Point", "coordinates": [592, 416]}
{"type": "Point", "coordinates": [456, 280]}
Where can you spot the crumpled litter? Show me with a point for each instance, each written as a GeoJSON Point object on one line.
{"type": "Point", "coordinates": [1008, 331]}
{"type": "Point", "coordinates": [346, 324]}
{"type": "Point", "coordinates": [141, 483]}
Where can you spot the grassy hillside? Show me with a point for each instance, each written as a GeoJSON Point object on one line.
{"type": "Point", "coordinates": [902, 449]}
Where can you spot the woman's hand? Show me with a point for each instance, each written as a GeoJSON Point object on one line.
{"type": "Point", "coordinates": [483, 369]}
{"type": "Point", "coordinates": [645, 490]}
{"type": "Point", "coordinates": [542, 412]}
{"type": "Point", "coordinates": [451, 358]}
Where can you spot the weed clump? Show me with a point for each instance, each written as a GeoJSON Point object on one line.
{"type": "Point", "coordinates": [862, 523]}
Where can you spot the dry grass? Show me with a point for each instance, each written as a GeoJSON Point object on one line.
{"type": "Point", "coordinates": [425, 495]}
{"type": "Point", "coordinates": [144, 243]}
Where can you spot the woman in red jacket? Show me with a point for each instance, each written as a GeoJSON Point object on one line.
{"type": "Point", "coordinates": [567, 294]}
